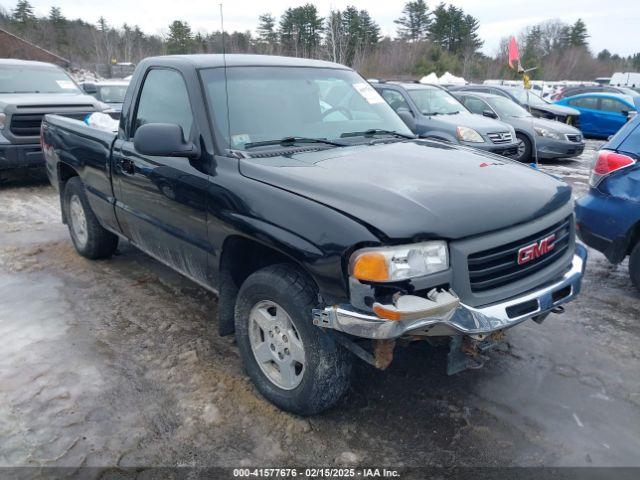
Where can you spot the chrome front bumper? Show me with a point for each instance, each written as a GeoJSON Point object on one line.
{"type": "Point", "coordinates": [463, 319]}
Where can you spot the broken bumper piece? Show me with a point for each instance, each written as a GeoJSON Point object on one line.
{"type": "Point", "coordinates": [442, 314]}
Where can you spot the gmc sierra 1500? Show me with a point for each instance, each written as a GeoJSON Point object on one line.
{"type": "Point", "coordinates": [292, 189]}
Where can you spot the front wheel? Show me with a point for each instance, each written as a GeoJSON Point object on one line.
{"type": "Point", "coordinates": [524, 148]}
{"type": "Point", "coordinates": [294, 364]}
{"type": "Point", "coordinates": [634, 266]}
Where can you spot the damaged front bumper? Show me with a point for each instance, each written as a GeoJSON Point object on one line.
{"type": "Point", "coordinates": [460, 319]}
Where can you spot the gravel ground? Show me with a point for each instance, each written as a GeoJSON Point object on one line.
{"type": "Point", "coordinates": [116, 363]}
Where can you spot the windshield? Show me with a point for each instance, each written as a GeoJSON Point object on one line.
{"type": "Point", "coordinates": [527, 97]}
{"type": "Point", "coordinates": [271, 103]}
{"type": "Point", "coordinates": [112, 93]}
{"type": "Point", "coordinates": [19, 79]}
{"type": "Point", "coordinates": [508, 108]}
{"type": "Point", "coordinates": [629, 91]}
{"type": "Point", "coordinates": [433, 101]}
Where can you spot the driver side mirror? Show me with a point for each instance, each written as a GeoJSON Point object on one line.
{"type": "Point", "coordinates": [407, 117]}
{"type": "Point", "coordinates": [489, 113]}
{"type": "Point", "coordinates": [629, 114]}
{"type": "Point", "coordinates": [89, 88]}
{"type": "Point", "coordinates": [163, 140]}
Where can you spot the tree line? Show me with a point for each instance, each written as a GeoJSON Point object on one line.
{"type": "Point", "coordinates": [444, 38]}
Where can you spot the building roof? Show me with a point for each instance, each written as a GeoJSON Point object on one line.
{"type": "Point", "coordinates": [13, 46]}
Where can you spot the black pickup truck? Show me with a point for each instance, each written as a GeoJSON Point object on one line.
{"type": "Point", "coordinates": [329, 231]}
{"type": "Point", "coordinates": [28, 91]}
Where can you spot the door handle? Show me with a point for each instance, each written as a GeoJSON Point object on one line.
{"type": "Point", "coordinates": [127, 166]}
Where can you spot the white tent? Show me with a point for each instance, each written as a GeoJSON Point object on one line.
{"type": "Point", "coordinates": [449, 79]}
{"type": "Point", "coordinates": [431, 78]}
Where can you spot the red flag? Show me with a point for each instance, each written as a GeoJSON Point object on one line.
{"type": "Point", "coordinates": [514, 54]}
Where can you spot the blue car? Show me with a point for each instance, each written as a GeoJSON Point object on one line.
{"type": "Point", "coordinates": [602, 114]}
{"type": "Point", "coordinates": [608, 217]}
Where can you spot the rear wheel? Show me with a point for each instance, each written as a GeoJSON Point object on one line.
{"type": "Point", "coordinates": [293, 364]}
{"type": "Point", "coordinates": [88, 236]}
{"type": "Point", "coordinates": [634, 266]}
{"type": "Point", "coordinates": [524, 148]}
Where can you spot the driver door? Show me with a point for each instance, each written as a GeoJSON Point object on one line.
{"type": "Point", "coordinates": [161, 202]}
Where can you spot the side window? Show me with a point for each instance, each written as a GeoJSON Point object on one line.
{"type": "Point", "coordinates": [613, 105]}
{"type": "Point", "coordinates": [395, 99]}
{"type": "Point", "coordinates": [585, 102]}
{"type": "Point", "coordinates": [475, 105]}
{"type": "Point", "coordinates": [164, 99]}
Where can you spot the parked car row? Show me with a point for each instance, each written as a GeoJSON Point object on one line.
{"type": "Point", "coordinates": [501, 125]}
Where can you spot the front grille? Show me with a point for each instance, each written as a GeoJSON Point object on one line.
{"type": "Point", "coordinates": [500, 137]}
{"type": "Point", "coordinates": [28, 124]}
{"type": "Point", "coordinates": [499, 266]}
{"type": "Point", "coordinates": [574, 137]}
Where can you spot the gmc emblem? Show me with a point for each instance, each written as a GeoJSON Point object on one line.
{"type": "Point", "coordinates": [536, 250]}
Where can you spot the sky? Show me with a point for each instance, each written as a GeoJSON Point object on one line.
{"type": "Point", "coordinates": [607, 21]}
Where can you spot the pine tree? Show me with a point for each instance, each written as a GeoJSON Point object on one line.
{"type": "Point", "coordinates": [23, 17]}
{"type": "Point", "coordinates": [414, 23]}
{"type": "Point", "coordinates": [267, 29]}
{"type": "Point", "coordinates": [180, 39]}
{"type": "Point", "coordinates": [578, 34]}
{"type": "Point", "coordinates": [59, 24]}
{"type": "Point", "coordinates": [300, 30]}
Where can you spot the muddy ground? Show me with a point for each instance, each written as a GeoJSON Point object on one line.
{"type": "Point", "coordinates": [117, 363]}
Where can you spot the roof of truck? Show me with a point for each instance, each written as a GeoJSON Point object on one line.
{"type": "Point", "coordinates": [246, 60]}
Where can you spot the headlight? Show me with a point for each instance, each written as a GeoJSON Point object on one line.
{"type": "Point", "coordinates": [467, 134]}
{"type": "Point", "coordinates": [543, 132]}
{"type": "Point", "coordinates": [3, 118]}
{"type": "Point", "coordinates": [389, 264]}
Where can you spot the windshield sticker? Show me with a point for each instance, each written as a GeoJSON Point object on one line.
{"type": "Point", "coordinates": [368, 93]}
{"type": "Point", "coordinates": [240, 139]}
{"type": "Point", "coordinates": [66, 84]}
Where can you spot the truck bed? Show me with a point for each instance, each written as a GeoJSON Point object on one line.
{"type": "Point", "coordinates": [72, 145]}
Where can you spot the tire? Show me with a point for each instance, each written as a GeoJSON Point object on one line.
{"type": "Point", "coordinates": [89, 238]}
{"type": "Point", "coordinates": [634, 266]}
{"type": "Point", "coordinates": [309, 387]}
{"type": "Point", "coordinates": [524, 148]}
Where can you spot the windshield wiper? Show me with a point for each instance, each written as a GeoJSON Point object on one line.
{"type": "Point", "coordinates": [376, 131]}
{"type": "Point", "coordinates": [452, 113]}
{"type": "Point", "coordinates": [290, 141]}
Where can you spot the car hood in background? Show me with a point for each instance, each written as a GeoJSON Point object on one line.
{"type": "Point", "coordinates": [417, 189]}
{"type": "Point", "coordinates": [527, 123]}
{"type": "Point", "coordinates": [45, 99]}
{"type": "Point", "coordinates": [556, 109]}
{"type": "Point", "coordinates": [477, 122]}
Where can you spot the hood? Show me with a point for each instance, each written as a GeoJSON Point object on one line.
{"type": "Point", "coordinates": [527, 123]}
{"type": "Point", "coordinates": [477, 122]}
{"type": "Point", "coordinates": [44, 99]}
{"type": "Point", "coordinates": [556, 109]}
{"type": "Point", "coordinates": [417, 189]}
{"type": "Point", "coordinates": [555, 126]}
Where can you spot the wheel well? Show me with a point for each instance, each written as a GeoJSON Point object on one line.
{"type": "Point", "coordinates": [240, 258]}
{"type": "Point", "coordinates": [65, 172]}
{"type": "Point", "coordinates": [634, 238]}
{"type": "Point", "coordinates": [525, 134]}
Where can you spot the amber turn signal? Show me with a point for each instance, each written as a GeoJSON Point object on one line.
{"type": "Point", "coordinates": [387, 313]}
{"type": "Point", "coordinates": [371, 266]}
